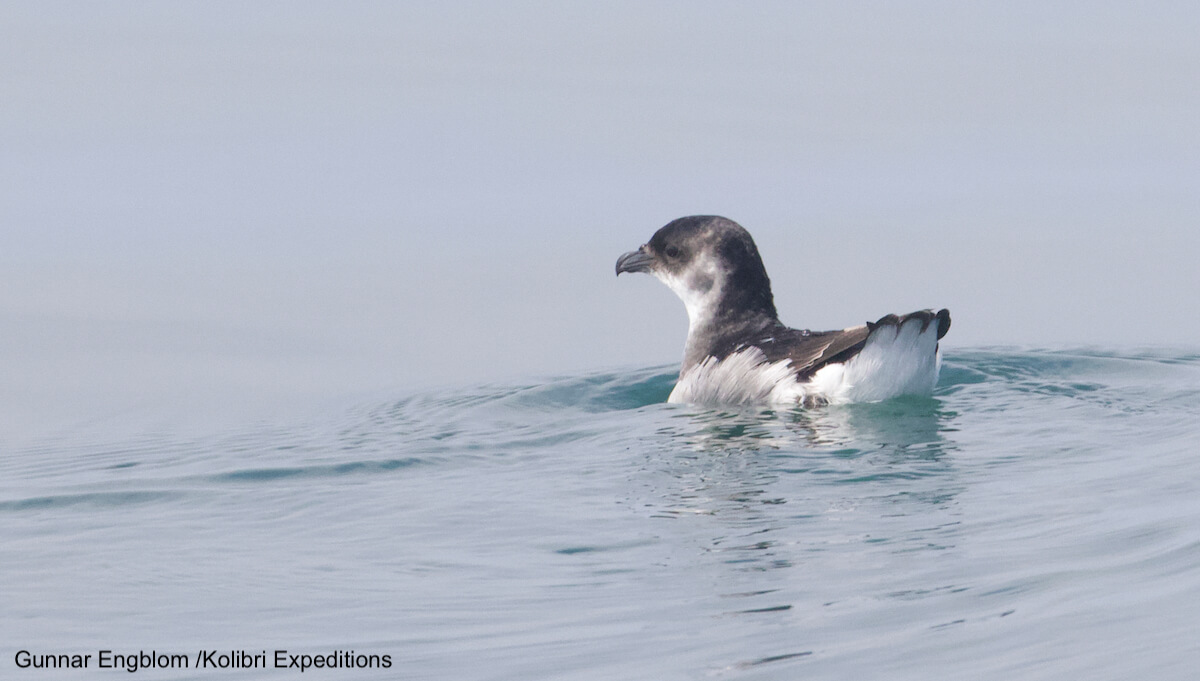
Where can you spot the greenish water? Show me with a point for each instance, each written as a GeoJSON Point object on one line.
{"type": "Point", "coordinates": [1038, 518]}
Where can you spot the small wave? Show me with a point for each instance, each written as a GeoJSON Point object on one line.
{"type": "Point", "coordinates": [106, 500]}
{"type": "Point", "coordinates": [492, 420]}
{"type": "Point", "coordinates": [1061, 371]}
{"type": "Point", "coordinates": [609, 391]}
{"type": "Point", "coordinates": [975, 365]}
{"type": "Point", "coordinates": [1121, 381]}
{"type": "Point", "coordinates": [315, 471]}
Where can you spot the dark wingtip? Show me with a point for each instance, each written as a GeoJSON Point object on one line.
{"type": "Point", "coordinates": [943, 320]}
{"type": "Point", "coordinates": [927, 317]}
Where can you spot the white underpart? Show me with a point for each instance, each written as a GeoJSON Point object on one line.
{"type": "Point", "coordinates": [744, 377]}
{"type": "Point", "coordinates": [895, 361]}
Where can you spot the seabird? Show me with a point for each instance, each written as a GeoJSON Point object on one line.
{"type": "Point", "coordinates": [737, 350]}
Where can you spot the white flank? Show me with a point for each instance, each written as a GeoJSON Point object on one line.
{"type": "Point", "coordinates": [744, 377]}
{"type": "Point", "coordinates": [895, 361]}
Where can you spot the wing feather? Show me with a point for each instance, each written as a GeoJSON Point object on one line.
{"type": "Point", "coordinates": [809, 351]}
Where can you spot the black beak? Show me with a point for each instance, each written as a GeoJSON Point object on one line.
{"type": "Point", "coordinates": [635, 261]}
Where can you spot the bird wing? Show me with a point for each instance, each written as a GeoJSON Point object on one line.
{"type": "Point", "coordinates": [809, 351]}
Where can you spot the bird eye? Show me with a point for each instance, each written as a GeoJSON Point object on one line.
{"type": "Point", "coordinates": [672, 252]}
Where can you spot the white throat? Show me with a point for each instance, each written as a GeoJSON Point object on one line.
{"type": "Point", "coordinates": [700, 290]}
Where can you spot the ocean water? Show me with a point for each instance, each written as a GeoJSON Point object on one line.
{"type": "Point", "coordinates": [1038, 518]}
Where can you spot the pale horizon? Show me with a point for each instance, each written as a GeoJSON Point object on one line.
{"type": "Point", "coordinates": [216, 203]}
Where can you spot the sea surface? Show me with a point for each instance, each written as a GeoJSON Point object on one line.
{"type": "Point", "coordinates": [1038, 518]}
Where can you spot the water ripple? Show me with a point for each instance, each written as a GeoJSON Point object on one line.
{"type": "Point", "coordinates": [1042, 501]}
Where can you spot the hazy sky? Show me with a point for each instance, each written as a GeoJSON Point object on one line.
{"type": "Point", "coordinates": [226, 200]}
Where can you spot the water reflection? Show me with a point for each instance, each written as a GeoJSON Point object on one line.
{"type": "Point", "coordinates": [901, 423]}
{"type": "Point", "coordinates": [772, 497]}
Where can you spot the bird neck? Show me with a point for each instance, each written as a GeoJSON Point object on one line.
{"type": "Point", "coordinates": [723, 308]}
{"type": "Point", "coordinates": [722, 332]}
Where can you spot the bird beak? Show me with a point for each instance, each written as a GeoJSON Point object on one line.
{"type": "Point", "coordinates": [635, 261]}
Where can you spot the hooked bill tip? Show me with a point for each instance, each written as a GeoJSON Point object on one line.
{"type": "Point", "coordinates": [634, 261]}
